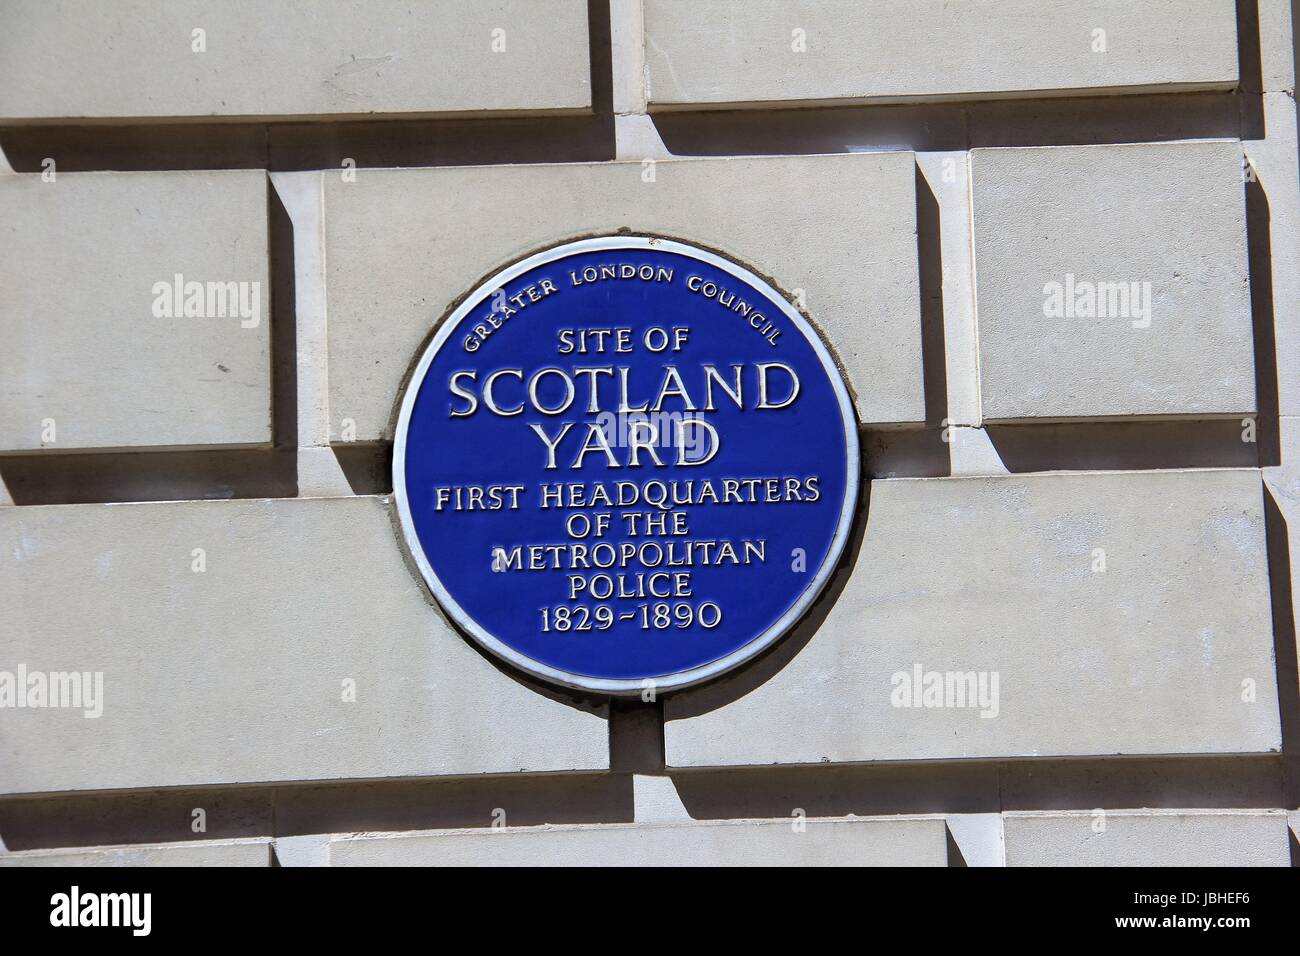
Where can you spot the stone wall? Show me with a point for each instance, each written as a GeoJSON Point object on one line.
{"type": "Point", "coordinates": [1055, 245]}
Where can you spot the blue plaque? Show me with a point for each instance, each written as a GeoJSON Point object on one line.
{"type": "Point", "coordinates": [625, 462]}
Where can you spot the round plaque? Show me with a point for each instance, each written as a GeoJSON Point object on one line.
{"type": "Point", "coordinates": [624, 463]}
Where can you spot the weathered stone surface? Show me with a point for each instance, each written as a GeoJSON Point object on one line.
{"type": "Point", "coordinates": [828, 842]}
{"type": "Point", "coordinates": [783, 52]}
{"type": "Point", "coordinates": [241, 672]}
{"type": "Point", "coordinates": [87, 359]}
{"type": "Point", "coordinates": [1148, 838]}
{"type": "Point", "coordinates": [1157, 233]}
{"type": "Point", "coordinates": [139, 59]}
{"type": "Point", "coordinates": [995, 576]}
{"type": "Point", "coordinates": [401, 246]}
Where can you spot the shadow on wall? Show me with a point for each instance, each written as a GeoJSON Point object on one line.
{"type": "Point", "coordinates": [319, 145]}
{"type": "Point", "coordinates": [1123, 445]}
{"type": "Point", "coordinates": [59, 479]}
{"type": "Point", "coordinates": [1281, 596]}
{"type": "Point", "coordinates": [1054, 121]}
{"type": "Point", "coordinates": [1250, 70]}
{"type": "Point", "coordinates": [1259, 246]}
{"type": "Point", "coordinates": [934, 355]}
{"type": "Point", "coordinates": [170, 816]}
{"type": "Point", "coordinates": [1032, 783]}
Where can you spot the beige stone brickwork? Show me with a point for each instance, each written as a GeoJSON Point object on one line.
{"type": "Point", "coordinates": [1054, 246]}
